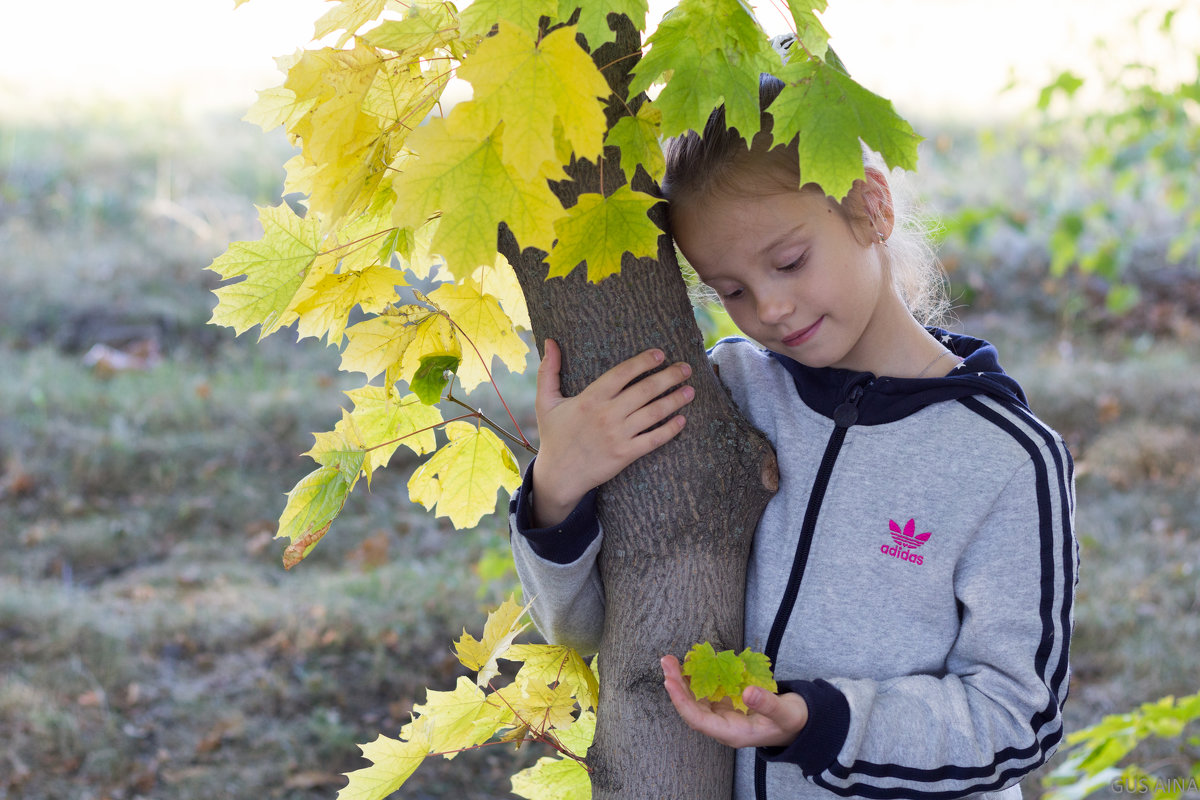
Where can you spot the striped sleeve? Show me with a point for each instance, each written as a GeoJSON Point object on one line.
{"type": "Point", "coordinates": [996, 712]}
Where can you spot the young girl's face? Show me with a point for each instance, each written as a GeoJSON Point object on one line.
{"type": "Point", "coordinates": [792, 274]}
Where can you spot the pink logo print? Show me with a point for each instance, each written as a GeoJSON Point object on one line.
{"type": "Point", "coordinates": [906, 540]}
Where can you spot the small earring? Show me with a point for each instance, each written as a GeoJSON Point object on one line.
{"type": "Point", "coordinates": [882, 240]}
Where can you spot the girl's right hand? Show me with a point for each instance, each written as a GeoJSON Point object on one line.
{"type": "Point", "coordinates": [589, 438]}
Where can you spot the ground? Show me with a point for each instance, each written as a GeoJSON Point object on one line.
{"type": "Point", "coordinates": [151, 643]}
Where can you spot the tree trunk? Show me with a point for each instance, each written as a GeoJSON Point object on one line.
{"type": "Point", "coordinates": [678, 523]}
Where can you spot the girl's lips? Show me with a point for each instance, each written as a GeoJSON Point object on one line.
{"type": "Point", "coordinates": [800, 337]}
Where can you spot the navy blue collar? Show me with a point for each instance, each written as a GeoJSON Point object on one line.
{"type": "Point", "coordinates": [886, 399]}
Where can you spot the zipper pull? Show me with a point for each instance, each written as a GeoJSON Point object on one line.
{"type": "Point", "coordinates": [846, 414]}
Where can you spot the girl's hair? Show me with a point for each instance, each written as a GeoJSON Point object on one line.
{"type": "Point", "coordinates": [719, 159]}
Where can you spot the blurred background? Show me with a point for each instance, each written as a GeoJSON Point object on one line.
{"type": "Point", "coordinates": [151, 644]}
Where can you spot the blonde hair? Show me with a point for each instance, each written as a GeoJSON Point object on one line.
{"type": "Point", "coordinates": [720, 160]}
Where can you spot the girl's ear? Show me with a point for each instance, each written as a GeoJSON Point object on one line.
{"type": "Point", "coordinates": [870, 204]}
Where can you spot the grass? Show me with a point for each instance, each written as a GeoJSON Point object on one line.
{"type": "Point", "coordinates": [151, 645]}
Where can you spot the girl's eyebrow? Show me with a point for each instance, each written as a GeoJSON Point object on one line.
{"type": "Point", "coordinates": [771, 245]}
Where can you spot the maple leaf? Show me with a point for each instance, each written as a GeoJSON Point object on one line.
{"type": "Point", "coordinates": [398, 343]}
{"type": "Point", "coordinates": [593, 17]}
{"type": "Point", "coordinates": [499, 280]}
{"type": "Point", "coordinates": [424, 28]}
{"type": "Point", "coordinates": [560, 778]}
{"type": "Point", "coordinates": [348, 16]}
{"type": "Point", "coordinates": [394, 762]}
{"type": "Point", "coordinates": [312, 505]}
{"type": "Point", "coordinates": [829, 113]}
{"type": "Point", "coordinates": [461, 479]}
{"type": "Point", "coordinates": [487, 329]}
{"type": "Point", "coordinates": [379, 423]}
{"type": "Point", "coordinates": [714, 676]}
{"type": "Point", "coordinates": [503, 625]}
{"type": "Point", "coordinates": [538, 88]}
{"type": "Point", "coordinates": [639, 137]}
{"type": "Point", "coordinates": [537, 705]}
{"type": "Point", "coordinates": [326, 308]}
{"type": "Point", "coordinates": [716, 52]}
{"type": "Point", "coordinates": [809, 29]}
{"type": "Point", "coordinates": [274, 267]}
{"type": "Point", "coordinates": [478, 18]}
{"type": "Point", "coordinates": [601, 230]}
{"type": "Point", "coordinates": [557, 664]}
{"type": "Point", "coordinates": [277, 106]}
{"type": "Point", "coordinates": [458, 719]}
{"type": "Point", "coordinates": [466, 177]}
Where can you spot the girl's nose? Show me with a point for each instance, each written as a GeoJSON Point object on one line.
{"type": "Point", "coordinates": [774, 309]}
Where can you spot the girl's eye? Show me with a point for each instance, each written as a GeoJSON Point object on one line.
{"type": "Point", "coordinates": [795, 265]}
{"type": "Point", "coordinates": [734, 295]}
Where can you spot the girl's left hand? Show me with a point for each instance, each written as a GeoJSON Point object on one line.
{"type": "Point", "coordinates": [774, 719]}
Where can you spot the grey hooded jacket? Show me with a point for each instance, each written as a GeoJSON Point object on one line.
{"type": "Point", "coordinates": [912, 579]}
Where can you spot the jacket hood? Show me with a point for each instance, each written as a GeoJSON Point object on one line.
{"type": "Point", "coordinates": [887, 399]}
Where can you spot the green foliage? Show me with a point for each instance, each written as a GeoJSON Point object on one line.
{"type": "Point", "coordinates": [1094, 753]}
{"type": "Point", "coordinates": [1112, 167]}
{"type": "Point", "coordinates": [715, 676]}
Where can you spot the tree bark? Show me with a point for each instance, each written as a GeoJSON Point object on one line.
{"type": "Point", "coordinates": [678, 523]}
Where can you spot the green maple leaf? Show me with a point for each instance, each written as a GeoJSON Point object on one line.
{"type": "Point", "coordinates": [478, 18]}
{"type": "Point", "coordinates": [466, 177]}
{"type": "Point", "coordinates": [829, 113]}
{"type": "Point", "coordinates": [715, 676]}
{"type": "Point", "coordinates": [461, 479]}
{"type": "Point", "coordinates": [811, 32]}
{"type": "Point", "coordinates": [537, 88]}
{"type": "Point", "coordinates": [593, 17]}
{"type": "Point", "coordinates": [312, 505]}
{"type": "Point", "coordinates": [600, 230]}
{"type": "Point", "coordinates": [715, 51]}
{"type": "Point", "coordinates": [273, 268]}
{"type": "Point", "coordinates": [640, 139]}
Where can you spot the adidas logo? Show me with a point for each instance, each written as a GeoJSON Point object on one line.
{"type": "Point", "coordinates": [906, 541]}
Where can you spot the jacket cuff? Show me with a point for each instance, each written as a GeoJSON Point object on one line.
{"type": "Point", "coordinates": [563, 543]}
{"type": "Point", "coordinates": [817, 746]}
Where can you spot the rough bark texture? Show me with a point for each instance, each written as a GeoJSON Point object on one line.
{"type": "Point", "coordinates": [679, 522]}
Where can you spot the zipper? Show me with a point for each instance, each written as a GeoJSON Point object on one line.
{"type": "Point", "coordinates": [844, 416]}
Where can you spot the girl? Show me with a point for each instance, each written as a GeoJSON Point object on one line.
{"type": "Point", "coordinates": [912, 580]}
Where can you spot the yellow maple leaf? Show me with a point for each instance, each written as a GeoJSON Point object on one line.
{"type": "Point", "coordinates": [461, 479]}
{"type": "Point", "coordinates": [561, 778]}
{"type": "Point", "coordinates": [463, 175]}
{"type": "Point", "coordinates": [557, 664]}
{"type": "Point", "coordinates": [273, 268]}
{"type": "Point", "coordinates": [458, 719]}
{"type": "Point", "coordinates": [502, 626]}
{"type": "Point", "coordinates": [396, 343]}
{"type": "Point", "coordinates": [537, 705]}
{"type": "Point", "coordinates": [326, 308]}
{"type": "Point", "coordinates": [500, 281]}
{"type": "Point", "coordinates": [349, 16]}
{"type": "Point", "coordinates": [278, 106]}
{"type": "Point", "coordinates": [487, 329]}
{"type": "Point", "coordinates": [537, 88]}
{"type": "Point", "coordinates": [366, 437]}
{"type": "Point", "coordinates": [600, 230]}
{"type": "Point", "coordinates": [394, 762]}
{"type": "Point", "coordinates": [424, 28]}
{"type": "Point", "coordinates": [478, 18]}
